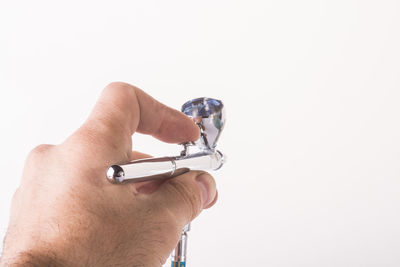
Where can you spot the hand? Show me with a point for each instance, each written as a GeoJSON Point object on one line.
{"type": "Point", "coordinates": [66, 213]}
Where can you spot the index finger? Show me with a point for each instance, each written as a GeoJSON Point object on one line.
{"type": "Point", "coordinates": [123, 109]}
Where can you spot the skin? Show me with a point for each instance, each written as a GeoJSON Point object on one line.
{"type": "Point", "coordinates": [65, 212]}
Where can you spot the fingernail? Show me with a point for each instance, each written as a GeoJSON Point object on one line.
{"type": "Point", "coordinates": [203, 181]}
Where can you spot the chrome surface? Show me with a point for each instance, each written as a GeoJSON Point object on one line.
{"type": "Point", "coordinates": [209, 115]}
{"type": "Point", "coordinates": [165, 167]}
{"type": "Point", "coordinates": [179, 253]}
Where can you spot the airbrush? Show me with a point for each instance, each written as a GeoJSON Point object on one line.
{"type": "Point", "coordinates": [209, 115]}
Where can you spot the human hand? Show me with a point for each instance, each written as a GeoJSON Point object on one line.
{"type": "Point", "coordinates": [66, 213]}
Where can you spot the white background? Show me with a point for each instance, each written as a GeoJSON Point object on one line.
{"type": "Point", "coordinates": [312, 91]}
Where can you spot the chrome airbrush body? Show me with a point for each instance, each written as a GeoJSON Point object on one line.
{"type": "Point", "coordinates": [165, 167]}
{"type": "Point", "coordinates": [209, 115]}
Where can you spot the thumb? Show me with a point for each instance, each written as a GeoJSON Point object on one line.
{"type": "Point", "coordinates": [185, 196]}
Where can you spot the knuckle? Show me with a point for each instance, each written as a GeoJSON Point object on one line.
{"type": "Point", "coordinates": [124, 88]}
{"type": "Point", "coordinates": [122, 96]}
{"type": "Point", "coordinates": [118, 84]}
{"type": "Point", "coordinates": [39, 151]}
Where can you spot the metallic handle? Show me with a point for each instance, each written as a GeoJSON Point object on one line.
{"type": "Point", "coordinates": [178, 257]}
{"type": "Point", "coordinates": [165, 167]}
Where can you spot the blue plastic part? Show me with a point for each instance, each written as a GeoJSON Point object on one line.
{"type": "Point", "coordinates": [178, 264]}
{"type": "Point", "coordinates": [202, 107]}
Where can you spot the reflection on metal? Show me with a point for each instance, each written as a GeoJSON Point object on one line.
{"type": "Point", "coordinates": [209, 115]}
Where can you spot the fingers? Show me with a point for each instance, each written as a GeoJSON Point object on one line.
{"type": "Point", "coordinates": [123, 109]}
{"type": "Point", "coordinates": [212, 202]}
{"type": "Point", "coordinates": [186, 196]}
{"type": "Point", "coordinates": [129, 109]}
